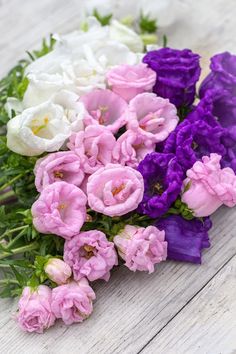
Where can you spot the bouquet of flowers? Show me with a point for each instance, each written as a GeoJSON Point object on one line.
{"type": "Point", "coordinates": [108, 157]}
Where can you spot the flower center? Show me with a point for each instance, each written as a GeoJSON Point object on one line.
{"type": "Point", "coordinates": [101, 114]}
{"type": "Point", "coordinates": [36, 128]}
{"type": "Point", "coordinates": [58, 174]}
{"type": "Point", "coordinates": [89, 251]}
{"type": "Point", "coordinates": [62, 206]}
{"type": "Point", "coordinates": [194, 145]}
{"type": "Point", "coordinates": [158, 188]}
{"type": "Point", "coordinates": [118, 189]}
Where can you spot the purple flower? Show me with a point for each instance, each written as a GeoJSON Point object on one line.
{"type": "Point", "coordinates": [198, 135]}
{"type": "Point", "coordinates": [186, 238]}
{"type": "Point", "coordinates": [163, 179]}
{"type": "Point", "coordinates": [222, 76]}
{"type": "Point", "coordinates": [177, 73]}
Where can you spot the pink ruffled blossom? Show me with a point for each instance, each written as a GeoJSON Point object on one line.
{"type": "Point", "coordinates": [94, 146]}
{"type": "Point", "coordinates": [106, 108]}
{"type": "Point", "coordinates": [141, 248]}
{"type": "Point", "coordinates": [72, 302]}
{"type": "Point", "coordinates": [131, 148]}
{"type": "Point", "coordinates": [208, 186]}
{"type": "Point", "coordinates": [153, 117]}
{"type": "Point", "coordinates": [60, 210]}
{"type": "Point", "coordinates": [90, 255]}
{"type": "Point", "coordinates": [115, 190]}
{"type": "Point", "coordinates": [57, 270]}
{"type": "Point", "coordinates": [35, 313]}
{"type": "Point", "coordinates": [59, 166]}
{"type": "Point", "coordinates": [130, 80]}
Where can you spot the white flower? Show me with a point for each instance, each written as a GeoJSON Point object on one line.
{"type": "Point", "coordinates": [38, 129]}
{"type": "Point", "coordinates": [73, 109]}
{"type": "Point", "coordinates": [125, 35]}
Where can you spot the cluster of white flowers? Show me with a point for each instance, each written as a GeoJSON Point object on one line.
{"type": "Point", "coordinates": [50, 110]}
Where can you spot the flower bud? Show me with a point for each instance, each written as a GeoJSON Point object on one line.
{"type": "Point", "coordinates": [57, 270]}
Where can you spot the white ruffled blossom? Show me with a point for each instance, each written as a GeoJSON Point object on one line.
{"type": "Point", "coordinates": [38, 129]}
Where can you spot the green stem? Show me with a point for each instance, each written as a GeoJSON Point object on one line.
{"type": "Point", "coordinates": [6, 195]}
{"type": "Point", "coordinates": [9, 183]}
{"type": "Point", "coordinates": [8, 281]}
{"type": "Point", "coordinates": [19, 228]}
{"type": "Point", "coordinates": [18, 250]}
{"type": "Point", "coordinates": [15, 239]}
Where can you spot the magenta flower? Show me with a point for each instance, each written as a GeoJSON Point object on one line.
{"type": "Point", "coordinates": [59, 166]}
{"type": "Point", "coordinates": [130, 80]}
{"type": "Point", "coordinates": [57, 270]}
{"type": "Point", "coordinates": [209, 186]}
{"type": "Point", "coordinates": [153, 117]}
{"type": "Point", "coordinates": [115, 190]}
{"type": "Point", "coordinates": [94, 146]}
{"type": "Point", "coordinates": [106, 108]}
{"type": "Point", "coordinates": [90, 255]}
{"type": "Point", "coordinates": [131, 148]}
{"type": "Point", "coordinates": [60, 210]}
{"type": "Point", "coordinates": [35, 313]}
{"type": "Point", "coordinates": [141, 248]}
{"type": "Point", "coordinates": [72, 302]}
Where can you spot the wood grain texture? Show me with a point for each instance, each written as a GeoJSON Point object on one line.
{"type": "Point", "coordinates": [137, 312]}
{"type": "Point", "coordinates": [209, 320]}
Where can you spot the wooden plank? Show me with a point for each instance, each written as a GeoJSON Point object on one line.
{"type": "Point", "coordinates": [131, 308]}
{"type": "Point", "coordinates": [207, 325]}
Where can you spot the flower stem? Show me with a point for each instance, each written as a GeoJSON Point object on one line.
{"type": "Point", "coordinates": [9, 183]}
{"type": "Point", "coordinates": [19, 228]}
{"type": "Point", "coordinates": [6, 195]}
{"type": "Point", "coordinates": [18, 250]}
{"type": "Point", "coordinates": [8, 281]}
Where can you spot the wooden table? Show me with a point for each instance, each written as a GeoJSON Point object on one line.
{"type": "Point", "coordinates": [181, 308]}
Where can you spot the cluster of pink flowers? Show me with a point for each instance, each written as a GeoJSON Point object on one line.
{"type": "Point", "coordinates": [125, 161]}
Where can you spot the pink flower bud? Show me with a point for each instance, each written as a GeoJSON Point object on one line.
{"type": "Point", "coordinates": [58, 270]}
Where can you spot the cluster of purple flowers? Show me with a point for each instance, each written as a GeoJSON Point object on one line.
{"type": "Point", "coordinates": [208, 129]}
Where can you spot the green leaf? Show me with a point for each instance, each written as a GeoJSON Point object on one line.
{"type": "Point", "coordinates": [104, 20]}
{"type": "Point", "coordinates": [147, 24]}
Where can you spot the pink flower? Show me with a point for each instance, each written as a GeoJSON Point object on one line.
{"type": "Point", "coordinates": [141, 247]}
{"type": "Point", "coordinates": [35, 313]}
{"type": "Point", "coordinates": [59, 166]}
{"type": "Point", "coordinates": [115, 190]}
{"type": "Point", "coordinates": [130, 80]}
{"type": "Point", "coordinates": [90, 255]}
{"type": "Point", "coordinates": [106, 108]}
{"type": "Point", "coordinates": [153, 117]}
{"type": "Point", "coordinates": [57, 270]}
{"type": "Point", "coordinates": [94, 146]}
{"type": "Point", "coordinates": [60, 210]}
{"type": "Point", "coordinates": [72, 302]}
{"type": "Point", "coordinates": [208, 186]}
{"type": "Point", "coordinates": [131, 148]}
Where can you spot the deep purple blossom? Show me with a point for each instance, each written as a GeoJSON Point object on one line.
{"type": "Point", "coordinates": [186, 238]}
{"type": "Point", "coordinates": [222, 75]}
{"type": "Point", "coordinates": [198, 135]}
{"type": "Point", "coordinates": [163, 178]}
{"type": "Point", "coordinates": [177, 73]}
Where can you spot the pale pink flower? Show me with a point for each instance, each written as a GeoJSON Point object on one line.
{"type": "Point", "coordinates": [130, 80]}
{"type": "Point", "coordinates": [104, 107]}
{"type": "Point", "coordinates": [72, 302]}
{"type": "Point", "coordinates": [90, 255]}
{"type": "Point", "coordinates": [115, 190]}
{"type": "Point", "coordinates": [131, 148]}
{"type": "Point", "coordinates": [59, 166]}
{"type": "Point", "coordinates": [208, 186]}
{"type": "Point", "coordinates": [94, 146]}
{"type": "Point", "coordinates": [60, 210]}
{"type": "Point", "coordinates": [57, 270]}
{"type": "Point", "coordinates": [141, 248]}
{"type": "Point", "coordinates": [153, 117]}
{"type": "Point", "coordinates": [35, 313]}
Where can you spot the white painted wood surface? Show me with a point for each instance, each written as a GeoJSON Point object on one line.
{"type": "Point", "coordinates": [181, 308]}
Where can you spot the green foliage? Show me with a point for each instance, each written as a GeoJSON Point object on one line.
{"type": "Point", "coordinates": [104, 20]}
{"type": "Point", "coordinates": [180, 208]}
{"type": "Point", "coordinates": [147, 24]}
{"type": "Point", "coordinates": [165, 41]}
